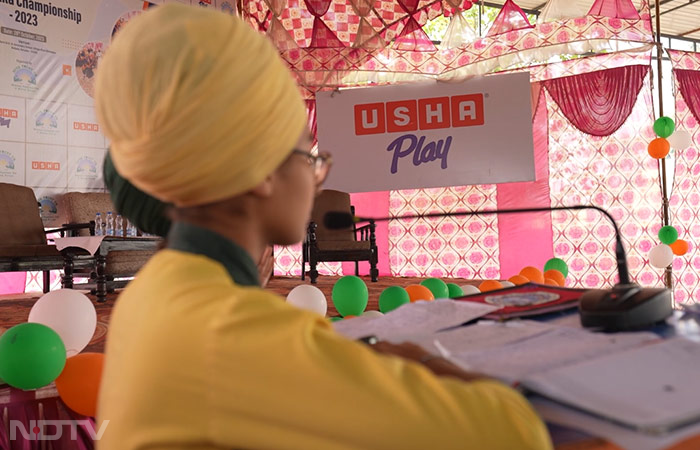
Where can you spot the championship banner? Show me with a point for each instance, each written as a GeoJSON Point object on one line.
{"type": "Point", "coordinates": [428, 135]}
{"type": "Point", "coordinates": [49, 53]}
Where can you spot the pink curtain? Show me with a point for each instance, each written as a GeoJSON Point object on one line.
{"type": "Point", "coordinates": [689, 87]}
{"type": "Point", "coordinates": [322, 36]}
{"type": "Point", "coordinates": [12, 282]}
{"type": "Point", "coordinates": [510, 18]}
{"type": "Point", "coordinates": [621, 9]}
{"type": "Point", "coordinates": [598, 103]}
{"type": "Point", "coordinates": [526, 239]}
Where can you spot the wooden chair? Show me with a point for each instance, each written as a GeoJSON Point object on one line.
{"type": "Point", "coordinates": [23, 241]}
{"type": "Point", "coordinates": [350, 244]}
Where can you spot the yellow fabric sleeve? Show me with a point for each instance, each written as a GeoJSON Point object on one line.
{"type": "Point", "coordinates": [194, 360]}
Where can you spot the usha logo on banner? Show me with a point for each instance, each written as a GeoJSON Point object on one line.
{"type": "Point", "coordinates": [422, 114]}
{"type": "Point", "coordinates": [86, 126]}
{"type": "Point", "coordinates": [6, 116]}
{"type": "Point", "coordinates": [46, 165]}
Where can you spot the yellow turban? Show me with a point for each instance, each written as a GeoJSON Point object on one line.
{"type": "Point", "coordinates": [197, 105]}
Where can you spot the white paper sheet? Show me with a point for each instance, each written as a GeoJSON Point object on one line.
{"type": "Point", "coordinates": [556, 347]}
{"type": "Point", "coordinates": [419, 318]}
{"type": "Point", "coordinates": [483, 335]}
{"type": "Point", "coordinates": [651, 387]}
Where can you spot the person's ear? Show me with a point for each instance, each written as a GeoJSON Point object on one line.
{"type": "Point", "coordinates": [265, 188]}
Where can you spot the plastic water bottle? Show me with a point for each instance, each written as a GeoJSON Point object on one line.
{"type": "Point", "coordinates": [119, 226]}
{"type": "Point", "coordinates": [129, 228]}
{"type": "Point", "coordinates": [109, 231]}
{"type": "Point", "coordinates": [98, 224]}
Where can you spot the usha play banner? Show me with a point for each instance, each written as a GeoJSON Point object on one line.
{"type": "Point", "coordinates": [436, 134]}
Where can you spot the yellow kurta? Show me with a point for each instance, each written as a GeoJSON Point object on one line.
{"type": "Point", "coordinates": [194, 360]}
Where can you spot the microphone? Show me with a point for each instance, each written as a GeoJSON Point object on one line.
{"type": "Point", "coordinates": [626, 306]}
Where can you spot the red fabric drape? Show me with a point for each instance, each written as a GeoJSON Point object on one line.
{"type": "Point", "coordinates": [321, 36]}
{"type": "Point", "coordinates": [510, 18]}
{"type": "Point", "coordinates": [412, 36]}
{"type": "Point", "coordinates": [689, 86]}
{"type": "Point", "coordinates": [598, 103]}
{"type": "Point", "coordinates": [621, 9]}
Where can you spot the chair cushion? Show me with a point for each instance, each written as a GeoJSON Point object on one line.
{"type": "Point", "coordinates": [28, 251]}
{"type": "Point", "coordinates": [343, 245]}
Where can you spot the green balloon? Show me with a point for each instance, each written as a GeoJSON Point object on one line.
{"type": "Point", "coordinates": [664, 126]}
{"type": "Point", "coordinates": [668, 235]}
{"type": "Point", "coordinates": [557, 264]}
{"type": "Point", "coordinates": [393, 297]}
{"type": "Point", "coordinates": [32, 355]}
{"type": "Point", "coordinates": [350, 296]}
{"type": "Point", "coordinates": [454, 290]}
{"type": "Point", "coordinates": [437, 287]}
{"type": "Point", "coordinates": [335, 319]}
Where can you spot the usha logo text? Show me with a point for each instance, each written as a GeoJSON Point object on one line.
{"type": "Point", "coordinates": [9, 113]}
{"type": "Point", "coordinates": [86, 126]}
{"type": "Point", "coordinates": [421, 114]}
{"type": "Point", "coordinates": [46, 165]}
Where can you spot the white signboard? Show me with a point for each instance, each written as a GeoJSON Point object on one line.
{"type": "Point", "coordinates": [428, 135]}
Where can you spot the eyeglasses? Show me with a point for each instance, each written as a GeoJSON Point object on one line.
{"type": "Point", "coordinates": [321, 164]}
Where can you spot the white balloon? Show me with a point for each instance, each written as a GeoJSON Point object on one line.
{"type": "Point", "coordinates": [680, 140]}
{"type": "Point", "coordinates": [661, 256]}
{"type": "Point", "coordinates": [371, 313]}
{"type": "Point", "coordinates": [308, 297]}
{"type": "Point", "coordinates": [470, 289]}
{"type": "Point", "coordinates": [70, 314]}
{"type": "Point", "coordinates": [507, 283]}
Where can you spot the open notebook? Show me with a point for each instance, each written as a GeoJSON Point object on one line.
{"type": "Point", "coordinates": [652, 388]}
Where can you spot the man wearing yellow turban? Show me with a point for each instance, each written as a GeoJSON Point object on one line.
{"type": "Point", "coordinates": [202, 114]}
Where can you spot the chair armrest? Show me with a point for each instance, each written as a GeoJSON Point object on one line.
{"type": "Point", "coordinates": [311, 233]}
{"type": "Point", "coordinates": [367, 231]}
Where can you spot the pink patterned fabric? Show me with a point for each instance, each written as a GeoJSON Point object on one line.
{"type": "Point", "coordinates": [412, 36]}
{"type": "Point", "coordinates": [621, 9]}
{"type": "Point", "coordinates": [321, 35]}
{"type": "Point", "coordinates": [598, 103]}
{"type": "Point", "coordinates": [526, 239]}
{"type": "Point", "coordinates": [613, 172]}
{"type": "Point", "coordinates": [684, 200]}
{"type": "Point", "coordinates": [510, 18]}
{"type": "Point", "coordinates": [688, 82]}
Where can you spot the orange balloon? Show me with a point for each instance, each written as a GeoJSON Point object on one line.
{"type": "Point", "coordinates": [419, 292]}
{"type": "Point", "coordinates": [679, 248]}
{"type": "Point", "coordinates": [533, 274]}
{"type": "Point", "coordinates": [659, 148]}
{"type": "Point", "coordinates": [490, 285]}
{"type": "Point", "coordinates": [554, 274]}
{"type": "Point", "coordinates": [551, 282]}
{"type": "Point", "coordinates": [349, 316]}
{"type": "Point", "coordinates": [518, 280]}
{"type": "Point", "coordinates": [79, 383]}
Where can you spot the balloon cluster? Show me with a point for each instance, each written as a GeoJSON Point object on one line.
{"type": "Point", "coordinates": [662, 255]}
{"type": "Point", "coordinates": [554, 273]}
{"type": "Point", "coordinates": [428, 290]}
{"type": "Point", "coordinates": [47, 348]}
{"type": "Point", "coordinates": [668, 137]}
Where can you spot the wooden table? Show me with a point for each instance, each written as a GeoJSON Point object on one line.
{"type": "Point", "coordinates": [108, 244]}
